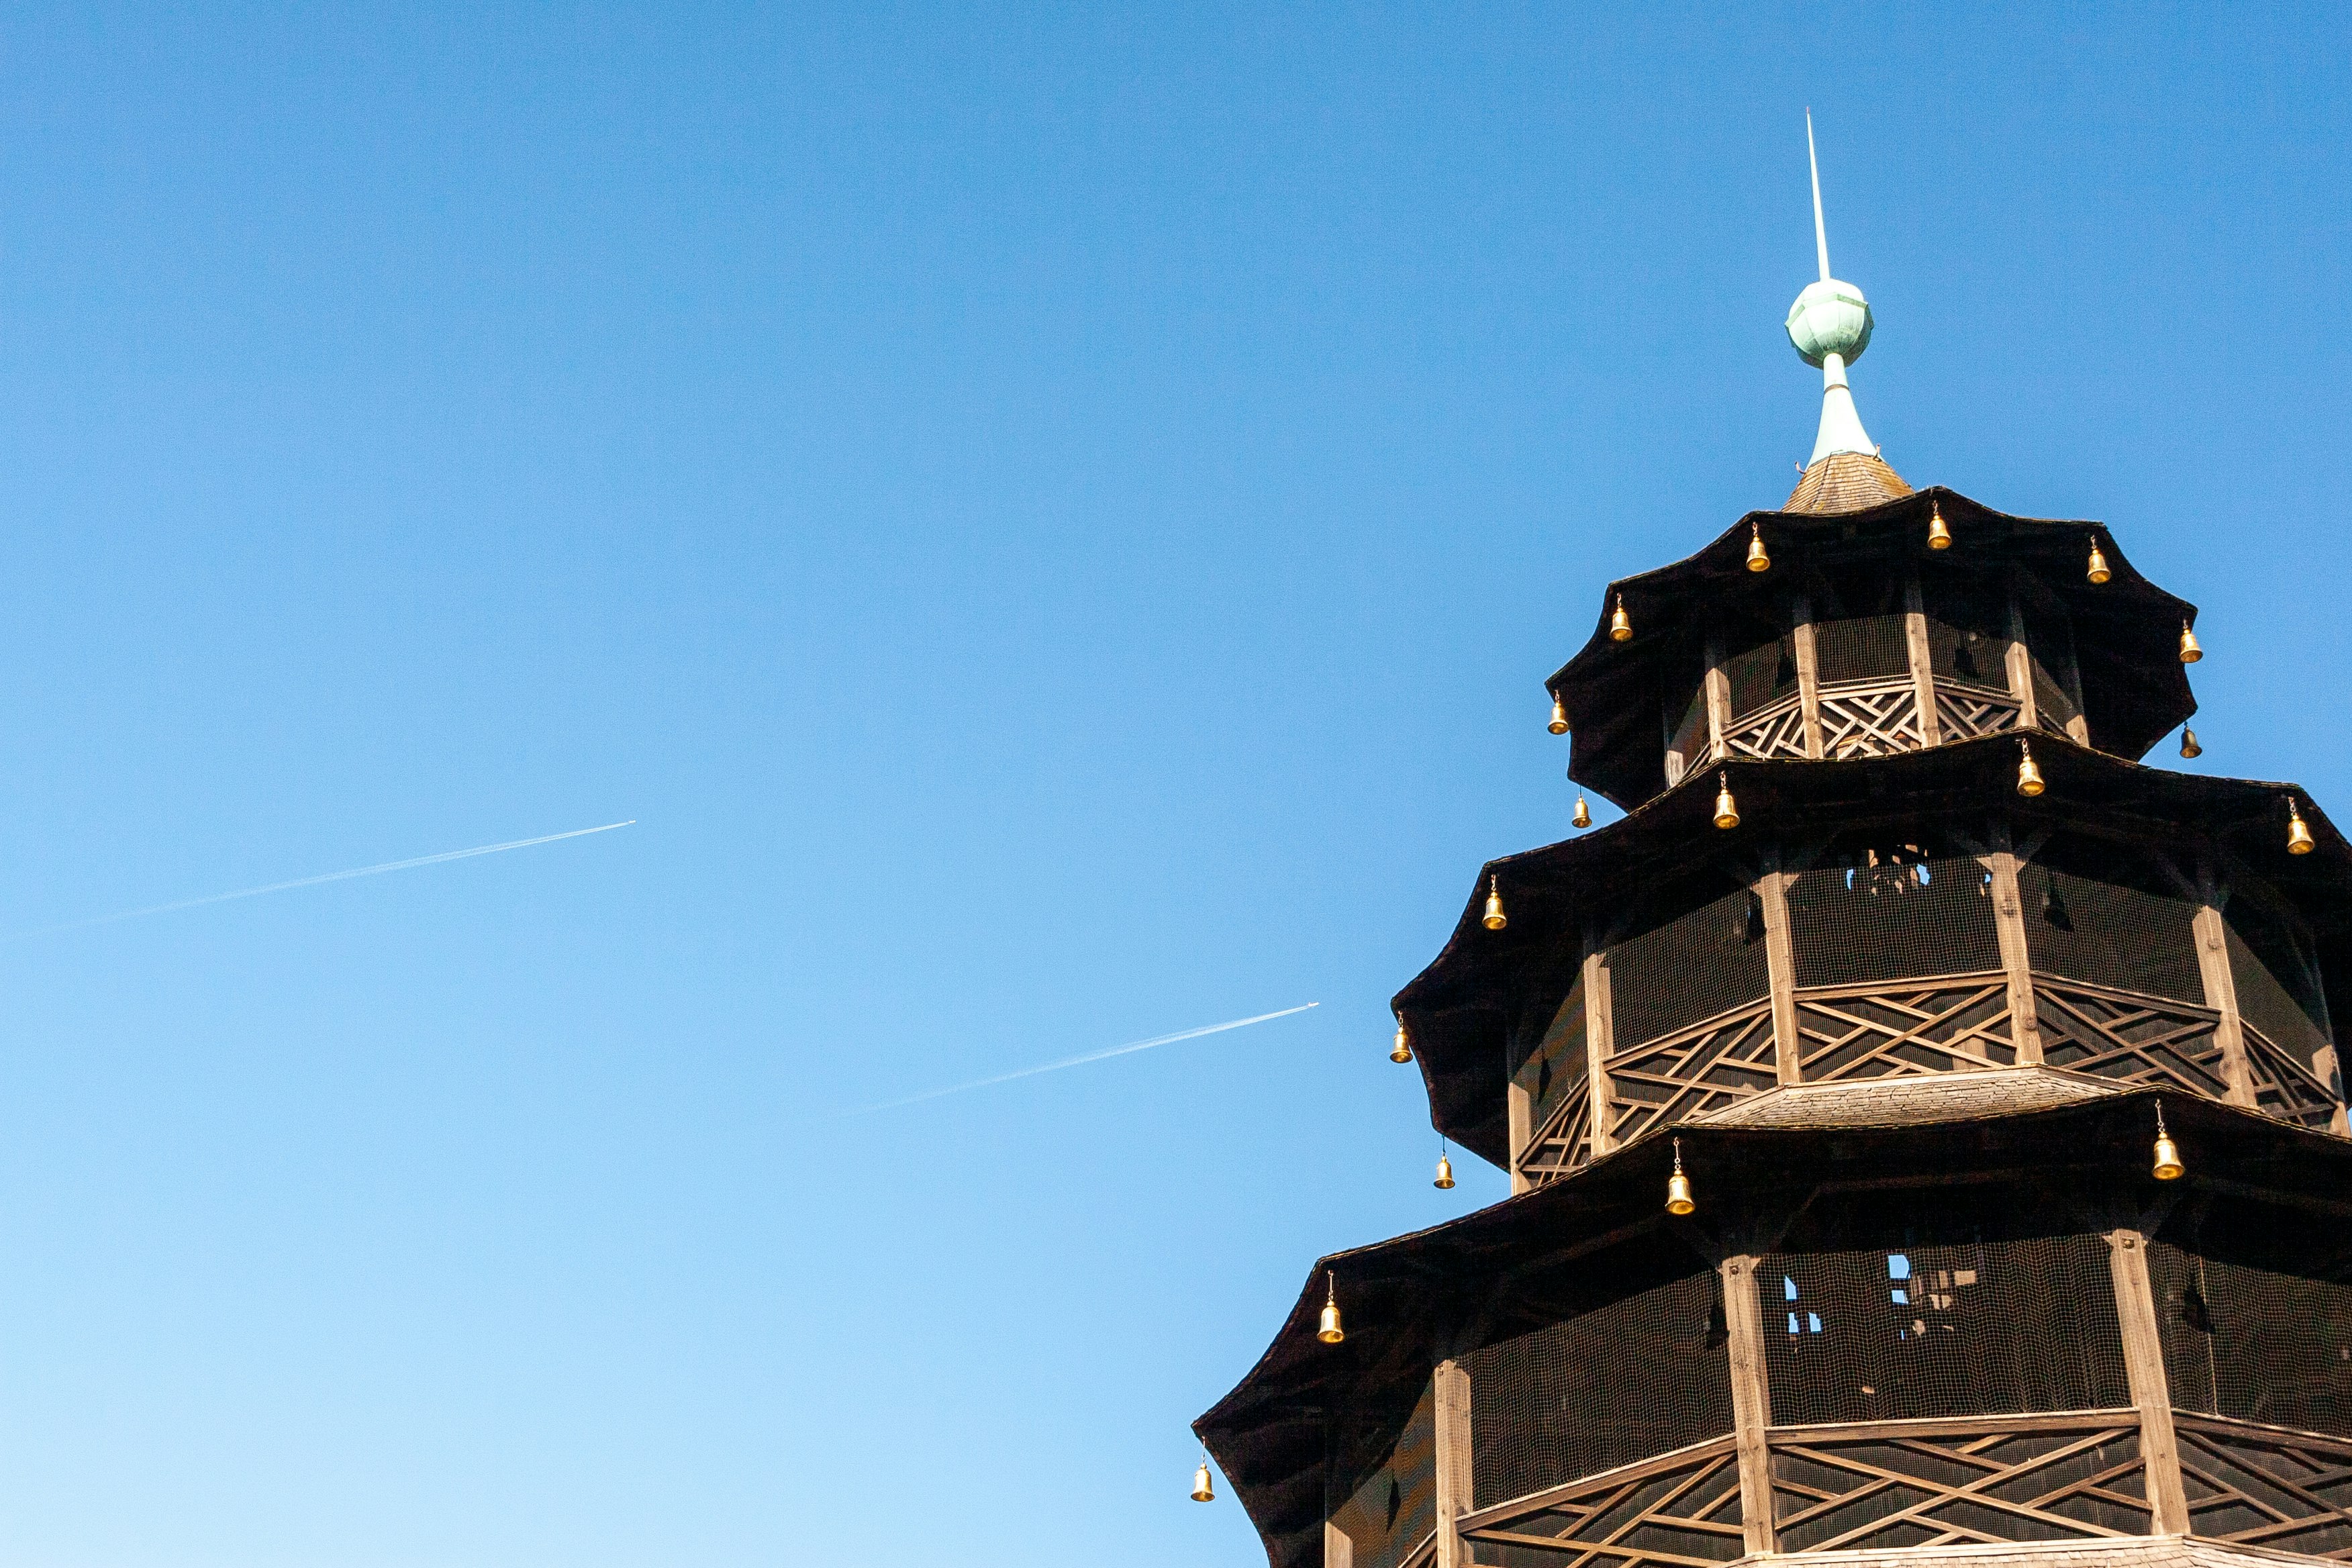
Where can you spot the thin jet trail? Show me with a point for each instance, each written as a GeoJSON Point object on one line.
{"type": "Point", "coordinates": [314, 882]}
{"type": "Point", "coordinates": [1083, 1060]}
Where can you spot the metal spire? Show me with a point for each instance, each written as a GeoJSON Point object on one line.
{"type": "Point", "coordinates": [1820, 232]}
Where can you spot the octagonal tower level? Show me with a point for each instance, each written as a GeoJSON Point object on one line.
{"type": "Point", "coordinates": [1904, 1008]}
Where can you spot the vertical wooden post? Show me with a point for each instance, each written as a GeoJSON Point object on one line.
{"type": "Point", "coordinates": [1809, 676]}
{"type": "Point", "coordinates": [2021, 667]}
{"type": "Point", "coordinates": [2016, 955]}
{"type": "Point", "coordinates": [1599, 1029]}
{"type": "Point", "coordinates": [1453, 1472]}
{"type": "Point", "coordinates": [2144, 1367]}
{"type": "Point", "coordinates": [1780, 965]}
{"type": "Point", "coordinates": [1339, 1552]}
{"type": "Point", "coordinates": [2222, 988]}
{"type": "Point", "coordinates": [1923, 664]}
{"type": "Point", "coordinates": [1751, 1403]}
{"type": "Point", "coordinates": [1718, 705]}
{"type": "Point", "coordinates": [1521, 1107]}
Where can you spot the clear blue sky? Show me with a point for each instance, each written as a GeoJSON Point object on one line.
{"type": "Point", "coordinates": [1054, 522]}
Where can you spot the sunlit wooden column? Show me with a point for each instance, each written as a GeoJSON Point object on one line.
{"type": "Point", "coordinates": [1339, 1552]}
{"type": "Point", "coordinates": [2021, 667]}
{"type": "Point", "coordinates": [1453, 1472]}
{"type": "Point", "coordinates": [2222, 988]}
{"type": "Point", "coordinates": [2159, 1450]}
{"type": "Point", "coordinates": [1780, 965]}
{"type": "Point", "coordinates": [1923, 665]}
{"type": "Point", "coordinates": [1751, 1403]}
{"type": "Point", "coordinates": [2016, 955]}
{"type": "Point", "coordinates": [1809, 676]}
{"type": "Point", "coordinates": [1599, 1031]}
{"type": "Point", "coordinates": [1718, 705]}
{"type": "Point", "coordinates": [1520, 1105]}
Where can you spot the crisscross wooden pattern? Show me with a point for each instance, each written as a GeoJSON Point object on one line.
{"type": "Point", "coordinates": [2129, 1036]}
{"type": "Point", "coordinates": [1692, 1071]}
{"type": "Point", "coordinates": [1565, 1140]}
{"type": "Point", "coordinates": [1776, 730]}
{"type": "Point", "coordinates": [1966, 712]}
{"type": "Point", "coordinates": [2256, 1486]}
{"type": "Point", "coordinates": [2286, 1088]}
{"type": "Point", "coordinates": [1870, 719]}
{"type": "Point", "coordinates": [1935, 1025]}
{"type": "Point", "coordinates": [1984, 1479]}
{"type": "Point", "coordinates": [1681, 1510]}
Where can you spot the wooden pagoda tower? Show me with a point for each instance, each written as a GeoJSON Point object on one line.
{"type": "Point", "coordinates": [1903, 962]}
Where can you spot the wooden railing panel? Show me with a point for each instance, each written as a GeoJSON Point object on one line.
{"type": "Point", "coordinates": [1692, 1071]}
{"type": "Point", "coordinates": [2130, 1037]}
{"type": "Point", "coordinates": [1939, 1024]}
{"type": "Point", "coordinates": [2283, 1087]}
{"type": "Point", "coordinates": [1680, 1510]}
{"type": "Point", "coordinates": [2257, 1486]}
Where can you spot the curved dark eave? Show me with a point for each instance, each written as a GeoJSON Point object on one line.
{"type": "Point", "coordinates": [1459, 1011]}
{"type": "Point", "coordinates": [2127, 631]}
{"type": "Point", "coordinates": [1489, 1276]}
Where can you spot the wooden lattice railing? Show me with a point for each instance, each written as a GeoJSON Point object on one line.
{"type": "Point", "coordinates": [1693, 1070]}
{"type": "Point", "coordinates": [1565, 1140]}
{"type": "Point", "coordinates": [1967, 1480]}
{"type": "Point", "coordinates": [2129, 1036]}
{"type": "Point", "coordinates": [1937, 1024]}
{"type": "Point", "coordinates": [1676, 1510]}
{"type": "Point", "coordinates": [1871, 719]}
{"type": "Point", "coordinates": [2287, 1088]}
{"type": "Point", "coordinates": [1773, 732]}
{"type": "Point", "coordinates": [2261, 1486]}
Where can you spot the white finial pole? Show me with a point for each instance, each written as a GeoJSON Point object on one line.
{"type": "Point", "coordinates": [1820, 232]}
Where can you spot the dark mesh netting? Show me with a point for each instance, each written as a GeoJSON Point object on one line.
{"type": "Point", "coordinates": [1558, 1064]}
{"type": "Point", "coordinates": [2086, 929]}
{"type": "Point", "coordinates": [1890, 916]}
{"type": "Point", "coordinates": [1395, 1508]}
{"type": "Point", "coordinates": [2050, 640]}
{"type": "Point", "coordinates": [1688, 969]}
{"type": "Point", "coordinates": [1691, 739]}
{"type": "Point", "coordinates": [2277, 991]}
{"type": "Point", "coordinates": [1968, 632]}
{"type": "Point", "coordinates": [2255, 1344]}
{"type": "Point", "coordinates": [1891, 1334]}
{"type": "Point", "coordinates": [1873, 647]}
{"type": "Point", "coordinates": [1762, 676]}
{"type": "Point", "coordinates": [1639, 1376]}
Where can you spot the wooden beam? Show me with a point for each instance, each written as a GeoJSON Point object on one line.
{"type": "Point", "coordinates": [1520, 1105]}
{"type": "Point", "coordinates": [1339, 1552]}
{"type": "Point", "coordinates": [1751, 1403]}
{"type": "Point", "coordinates": [2021, 667]}
{"type": "Point", "coordinates": [1599, 1031]}
{"type": "Point", "coordinates": [2144, 1368]}
{"type": "Point", "coordinates": [1780, 964]}
{"type": "Point", "coordinates": [2016, 955]}
{"type": "Point", "coordinates": [1923, 667]}
{"type": "Point", "coordinates": [1718, 705]}
{"type": "Point", "coordinates": [2221, 992]}
{"type": "Point", "coordinates": [1453, 1472]}
{"type": "Point", "coordinates": [1809, 676]}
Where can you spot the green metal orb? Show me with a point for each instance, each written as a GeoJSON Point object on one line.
{"type": "Point", "coordinates": [1830, 318]}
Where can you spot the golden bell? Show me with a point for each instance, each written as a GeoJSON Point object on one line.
{"type": "Point", "coordinates": [1495, 920]}
{"type": "Point", "coordinates": [1727, 810]}
{"type": "Point", "coordinates": [1403, 1050]}
{"type": "Point", "coordinates": [2029, 777]}
{"type": "Point", "coordinates": [2190, 652]}
{"type": "Point", "coordinates": [1583, 817]}
{"type": "Point", "coordinates": [2169, 1167]}
{"type": "Point", "coordinates": [2298, 836]}
{"type": "Point", "coordinates": [1445, 1172]}
{"type": "Point", "coordinates": [1559, 725]}
{"type": "Point", "coordinates": [1938, 536]}
{"type": "Point", "coordinates": [2098, 572]}
{"type": "Point", "coordinates": [2188, 746]}
{"type": "Point", "coordinates": [1756, 560]}
{"type": "Point", "coordinates": [1330, 1333]}
{"type": "Point", "coordinates": [1678, 1187]}
{"type": "Point", "coordinates": [1202, 1491]}
{"type": "Point", "coordinates": [1621, 630]}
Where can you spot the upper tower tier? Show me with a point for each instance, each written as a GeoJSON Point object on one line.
{"type": "Point", "coordinates": [1923, 619]}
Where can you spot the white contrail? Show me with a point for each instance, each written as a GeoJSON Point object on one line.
{"type": "Point", "coordinates": [1081, 1061]}
{"type": "Point", "coordinates": [328, 877]}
